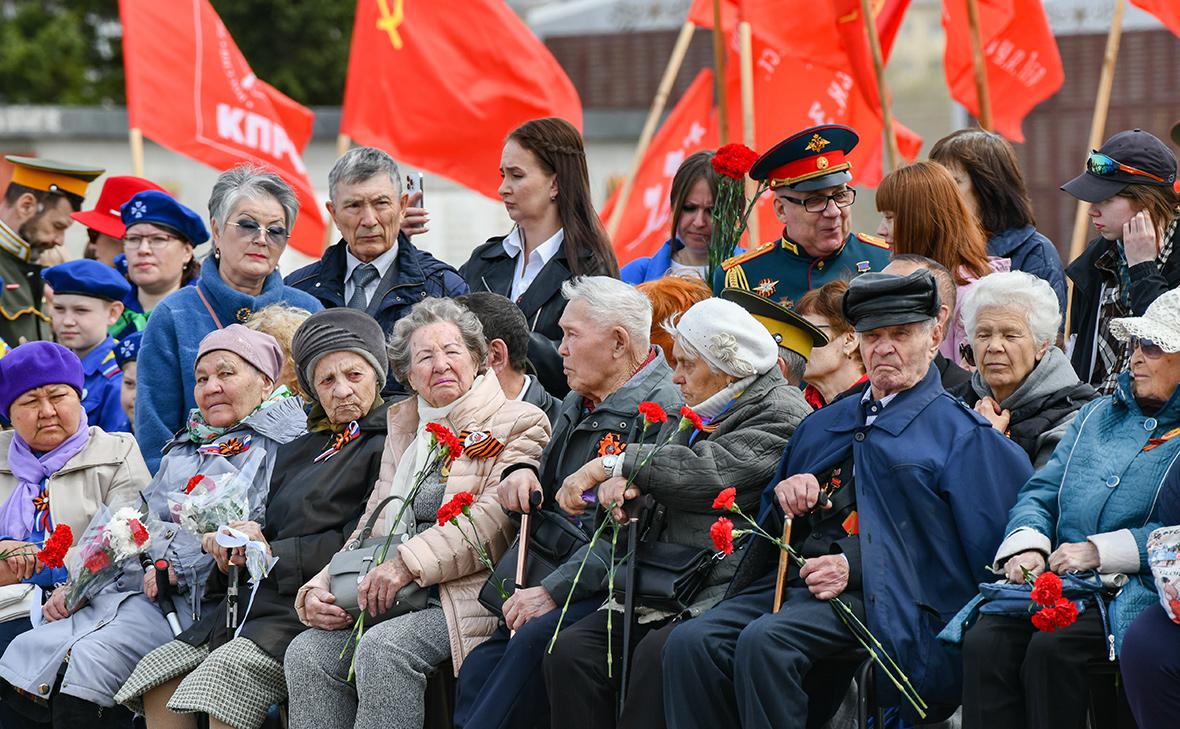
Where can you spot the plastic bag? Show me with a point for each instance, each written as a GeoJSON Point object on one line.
{"type": "Point", "coordinates": [216, 498]}
{"type": "Point", "coordinates": [116, 534]}
{"type": "Point", "coordinates": [1163, 554]}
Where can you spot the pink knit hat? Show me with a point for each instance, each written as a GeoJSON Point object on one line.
{"type": "Point", "coordinates": [259, 349]}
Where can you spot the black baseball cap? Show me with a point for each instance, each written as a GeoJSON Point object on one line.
{"type": "Point", "coordinates": [1135, 148]}
{"type": "Point", "coordinates": [876, 300]}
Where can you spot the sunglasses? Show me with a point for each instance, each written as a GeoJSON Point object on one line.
{"type": "Point", "coordinates": [1105, 165]}
{"type": "Point", "coordinates": [1150, 349]}
{"type": "Point", "coordinates": [966, 353]}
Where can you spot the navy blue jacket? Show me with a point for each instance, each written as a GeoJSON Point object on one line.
{"type": "Point", "coordinates": [934, 483]}
{"type": "Point", "coordinates": [1032, 253]}
{"type": "Point", "coordinates": [415, 275]}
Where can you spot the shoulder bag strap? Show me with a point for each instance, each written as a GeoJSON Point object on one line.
{"type": "Point", "coordinates": [368, 530]}
{"type": "Point", "coordinates": [209, 308]}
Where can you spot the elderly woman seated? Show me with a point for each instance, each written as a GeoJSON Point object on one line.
{"type": "Point", "coordinates": [1089, 509]}
{"type": "Point", "coordinates": [1022, 384]}
{"type": "Point", "coordinates": [54, 470]}
{"type": "Point", "coordinates": [236, 429]}
{"type": "Point", "coordinates": [836, 367]}
{"type": "Point", "coordinates": [318, 489]}
{"type": "Point", "coordinates": [438, 351]}
{"type": "Point", "coordinates": [726, 368]}
{"type": "Point", "coordinates": [612, 368]}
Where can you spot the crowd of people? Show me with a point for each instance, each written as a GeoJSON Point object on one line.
{"type": "Point", "coordinates": [538, 490]}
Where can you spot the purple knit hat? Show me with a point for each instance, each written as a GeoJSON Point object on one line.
{"type": "Point", "coordinates": [37, 364]}
{"type": "Point", "coordinates": [259, 349]}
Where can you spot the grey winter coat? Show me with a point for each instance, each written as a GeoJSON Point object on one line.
{"type": "Point", "coordinates": [1042, 407]}
{"type": "Point", "coordinates": [106, 638]}
{"type": "Point", "coordinates": [743, 452]}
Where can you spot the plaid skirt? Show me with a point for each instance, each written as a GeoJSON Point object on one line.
{"type": "Point", "coordinates": [236, 683]}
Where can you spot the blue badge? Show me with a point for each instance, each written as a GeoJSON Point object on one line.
{"type": "Point", "coordinates": [863, 267]}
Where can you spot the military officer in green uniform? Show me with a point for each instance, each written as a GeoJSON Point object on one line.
{"type": "Point", "coordinates": [809, 173]}
{"type": "Point", "coordinates": [34, 214]}
{"type": "Point", "coordinates": [794, 335]}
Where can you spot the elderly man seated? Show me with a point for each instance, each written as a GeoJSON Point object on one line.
{"type": "Point", "coordinates": [915, 492]}
{"type": "Point", "coordinates": [611, 367]}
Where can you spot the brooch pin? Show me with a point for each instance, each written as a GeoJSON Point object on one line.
{"type": "Point", "coordinates": [228, 447]}
{"type": "Point", "coordinates": [480, 444]}
{"type": "Point", "coordinates": [611, 445]}
{"type": "Point", "coordinates": [339, 441]}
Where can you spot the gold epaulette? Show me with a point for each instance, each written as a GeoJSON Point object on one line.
{"type": "Point", "coordinates": [748, 255]}
{"type": "Point", "coordinates": [873, 241]}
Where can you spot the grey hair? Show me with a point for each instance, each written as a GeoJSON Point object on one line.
{"type": "Point", "coordinates": [613, 303]}
{"type": "Point", "coordinates": [433, 311]}
{"type": "Point", "coordinates": [1019, 292]}
{"type": "Point", "coordinates": [253, 182]}
{"type": "Point", "coordinates": [363, 163]}
{"type": "Point", "coordinates": [796, 364]}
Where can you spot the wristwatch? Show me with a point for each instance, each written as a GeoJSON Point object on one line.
{"type": "Point", "coordinates": [608, 464]}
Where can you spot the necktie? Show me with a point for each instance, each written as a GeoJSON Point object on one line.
{"type": "Point", "coordinates": [362, 276]}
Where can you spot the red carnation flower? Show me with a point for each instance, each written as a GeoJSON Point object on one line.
{"type": "Point", "coordinates": [193, 483]}
{"type": "Point", "coordinates": [1047, 589]}
{"type": "Point", "coordinates": [722, 534]}
{"type": "Point", "coordinates": [461, 502]}
{"type": "Point", "coordinates": [734, 161]}
{"type": "Point", "coordinates": [652, 412]}
{"type": "Point", "coordinates": [724, 500]}
{"type": "Point", "coordinates": [688, 417]}
{"type": "Point", "coordinates": [1042, 620]}
{"type": "Point", "coordinates": [97, 561]}
{"type": "Point", "coordinates": [56, 546]}
{"type": "Point", "coordinates": [1060, 615]}
{"type": "Point", "coordinates": [447, 441]}
{"type": "Point", "coordinates": [138, 533]}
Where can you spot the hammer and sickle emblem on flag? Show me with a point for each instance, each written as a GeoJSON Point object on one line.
{"type": "Point", "coordinates": [391, 21]}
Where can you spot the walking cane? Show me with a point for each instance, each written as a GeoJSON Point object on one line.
{"type": "Point", "coordinates": [637, 507]}
{"type": "Point", "coordinates": [522, 551]}
{"type": "Point", "coordinates": [163, 591]}
{"type": "Point", "coordinates": [782, 565]}
{"type": "Point", "coordinates": [231, 599]}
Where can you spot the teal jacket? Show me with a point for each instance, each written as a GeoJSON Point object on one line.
{"type": "Point", "coordinates": [1101, 485]}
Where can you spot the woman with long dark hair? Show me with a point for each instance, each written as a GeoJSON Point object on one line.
{"type": "Point", "coordinates": [985, 168]}
{"type": "Point", "coordinates": [557, 235]}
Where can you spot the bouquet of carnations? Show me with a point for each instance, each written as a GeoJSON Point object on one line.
{"type": "Point", "coordinates": [114, 536]}
{"type": "Point", "coordinates": [731, 210]}
{"type": "Point", "coordinates": [213, 499]}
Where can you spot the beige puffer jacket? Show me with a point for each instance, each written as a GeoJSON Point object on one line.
{"type": "Point", "coordinates": [439, 556]}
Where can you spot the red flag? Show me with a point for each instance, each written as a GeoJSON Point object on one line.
{"type": "Point", "coordinates": [441, 89]}
{"type": "Point", "coordinates": [190, 89]}
{"type": "Point", "coordinates": [690, 127]}
{"type": "Point", "coordinates": [1023, 65]}
{"type": "Point", "coordinates": [1168, 12]}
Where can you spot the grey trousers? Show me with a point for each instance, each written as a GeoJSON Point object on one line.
{"type": "Point", "coordinates": [390, 684]}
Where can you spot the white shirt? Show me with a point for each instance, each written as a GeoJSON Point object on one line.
{"type": "Point", "coordinates": [528, 380]}
{"type": "Point", "coordinates": [526, 271]}
{"type": "Point", "coordinates": [381, 263]}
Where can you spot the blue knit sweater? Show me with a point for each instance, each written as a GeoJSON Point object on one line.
{"type": "Point", "coordinates": [164, 391]}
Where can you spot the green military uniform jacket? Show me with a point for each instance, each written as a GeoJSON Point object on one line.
{"type": "Point", "coordinates": [21, 292]}
{"type": "Point", "coordinates": [782, 271]}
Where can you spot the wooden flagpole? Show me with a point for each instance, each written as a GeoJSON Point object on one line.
{"type": "Point", "coordinates": [1097, 129]}
{"type": "Point", "coordinates": [719, 75]}
{"type": "Point", "coordinates": [135, 137]}
{"type": "Point", "coordinates": [671, 71]}
{"type": "Point", "coordinates": [892, 154]}
{"type": "Point", "coordinates": [746, 36]}
{"type": "Point", "coordinates": [981, 89]}
{"type": "Point", "coordinates": [343, 144]}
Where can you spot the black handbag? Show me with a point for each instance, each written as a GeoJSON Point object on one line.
{"type": "Point", "coordinates": [553, 540]}
{"type": "Point", "coordinates": [670, 575]}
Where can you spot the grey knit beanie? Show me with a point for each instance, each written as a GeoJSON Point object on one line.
{"type": "Point", "coordinates": [337, 330]}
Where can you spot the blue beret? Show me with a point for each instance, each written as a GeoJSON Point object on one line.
{"type": "Point", "coordinates": [87, 277]}
{"type": "Point", "coordinates": [127, 350]}
{"type": "Point", "coordinates": [37, 364]}
{"type": "Point", "coordinates": [160, 208]}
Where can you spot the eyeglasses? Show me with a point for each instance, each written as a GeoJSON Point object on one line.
{"type": "Point", "coordinates": [156, 242]}
{"type": "Point", "coordinates": [249, 230]}
{"type": "Point", "coordinates": [1150, 349]}
{"type": "Point", "coordinates": [1105, 165]}
{"type": "Point", "coordinates": [819, 203]}
{"type": "Point", "coordinates": [967, 353]}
